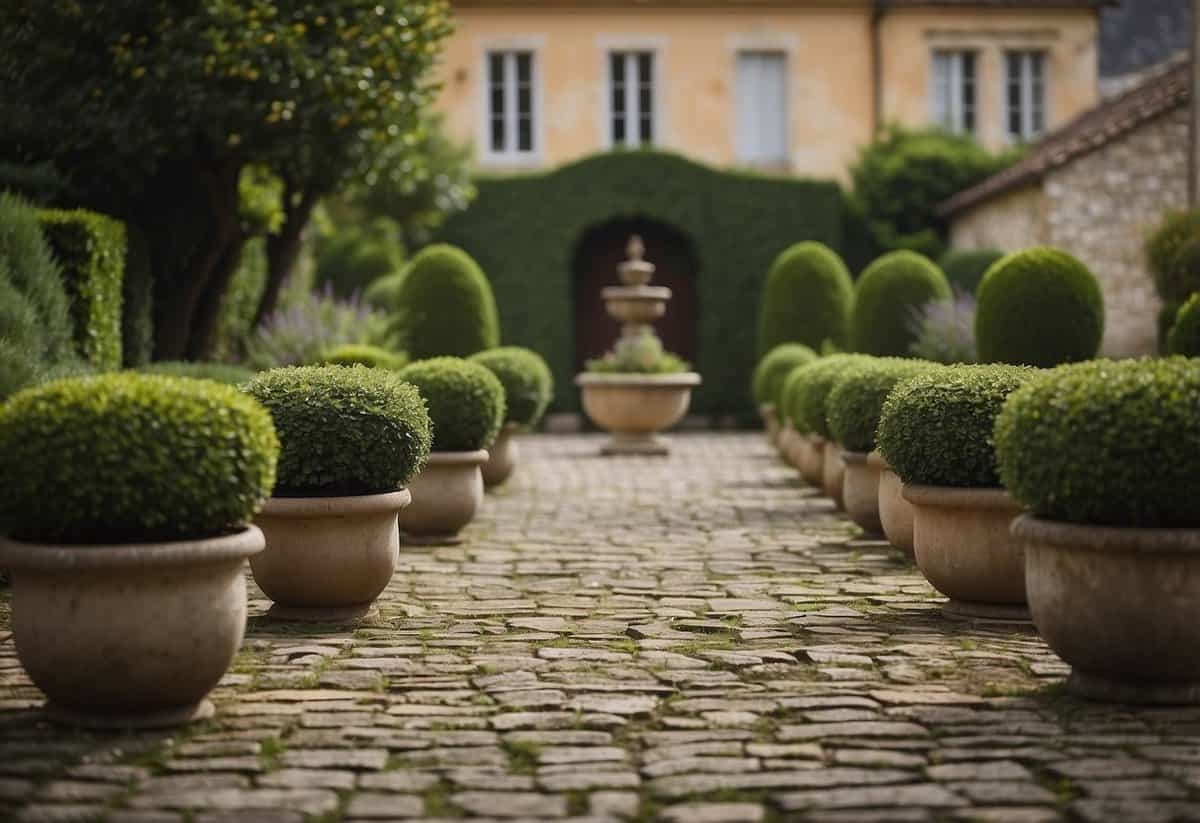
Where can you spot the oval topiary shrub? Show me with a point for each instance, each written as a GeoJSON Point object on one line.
{"type": "Point", "coordinates": [528, 383]}
{"type": "Point", "coordinates": [363, 354]}
{"type": "Point", "coordinates": [1038, 307]}
{"type": "Point", "coordinates": [808, 390]}
{"type": "Point", "coordinates": [964, 268]}
{"type": "Point", "coordinates": [466, 401]}
{"type": "Point", "coordinates": [1112, 443]}
{"type": "Point", "coordinates": [345, 430]}
{"type": "Point", "coordinates": [887, 295]}
{"type": "Point", "coordinates": [770, 372]}
{"type": "Point", "coordinates": [806, 299]}
{"type": "Point", "coordinates": [936, 429]}
{"type": "Point", "coordinates": [130, 458]}
{"type": "Point", "coordinates": [220, 372]}
{"type": "Point", "coordinates": [856, 400]}
{"type": "Point", "coordinates": [1184, 337]}
{"type": "Point", "coordinates": [445, 305]}
{"type": "Point", "coordinates": [1173, 252]}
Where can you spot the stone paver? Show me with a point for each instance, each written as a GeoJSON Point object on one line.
{"type": "Point", "coordinates": [697, 638]}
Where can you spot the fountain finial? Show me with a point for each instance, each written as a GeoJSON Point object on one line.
{"type": "Point", "coordinates": [635, 271]}
{"type": "Point", "coordinates": [636, 249]}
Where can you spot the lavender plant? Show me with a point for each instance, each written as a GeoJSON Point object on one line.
{"type": "Point", "coordinates": [945, 330]}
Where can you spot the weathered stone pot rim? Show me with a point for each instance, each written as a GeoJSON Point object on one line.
{"type": "Point", "coordinates": [857, 458]}
{"type": "Point", "coordinates": [1095, 538]}
{"type": "Point", "coordinates": [343, 505]}
{"type": "Point", "coordinates": [464, 458]}
{"type": "Point", "coordinates": [974, 497]}
{"type": "Point", "coordinates": [876, 460]}
{"type": "Point", "coordinates": [18, 555]}
{"type": "Point", "coordinates": [636, 380]}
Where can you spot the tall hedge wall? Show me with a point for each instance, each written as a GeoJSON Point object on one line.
{"type": "Point", "coordinates": [523, 230]}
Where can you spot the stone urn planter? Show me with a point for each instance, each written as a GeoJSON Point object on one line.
{"type": "Point", "coordinates": [634, 408]}
{"type": "Point", "coordinates": [860, 492]}
{"type": "Point", "coordinates": [129, 636]}
{"type": "Point", "coordinates": [502, 456]}
{"type": "Point", "coordinates": [528, 389]}
{"type": "Point", "coordinates": [895, 513]}
{"type": "Point", "coordinates": [812, 459]}
{"type": "Point", "coordinates": [447, 495]}
{"type": "Point", "coordinates": [770, 422]}
{"type": "Point", "coordinates": [328, 558]}
{"type": "Point", "coordinates": [965, 550]}
{"type": "Point", "coordinates": [833, 472]}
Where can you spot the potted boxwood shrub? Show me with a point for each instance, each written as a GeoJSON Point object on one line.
{"type": "Point", "coordinates": [352, 438]}
{"type": "Point", "coordinates": [808, 411]}
{"type": "Point", "coordinates": [935, 431]}
{"type": "Point", "coordinates": [127, 508]}
{"type": "Point", "coordinates": [1105, 456]}
{"type": "Point", "coordinates": [768, 379]}
{"type": "Point", "coordinates": [466, 404]}
{"type": "Point", "coordinates": [852, 409]}
{"type": "Point", "coordinates": [528, 390]}
{"type": "Point", "coordinates": [804, 452]}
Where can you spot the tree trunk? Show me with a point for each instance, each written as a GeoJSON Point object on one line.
{"type": "Point", "coordinates": [284, 248]}
{"type": "Point", "coordinates": [203, 335]}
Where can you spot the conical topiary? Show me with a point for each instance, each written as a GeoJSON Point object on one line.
{"type": "Point", "coordinates": [886, 297]}
{"type": "Point", "coordinates": [445, 306]}
{"type": "Point", "coordinates": [1184, 338]}
{"type": "Point", "coordinates": [806, 299]}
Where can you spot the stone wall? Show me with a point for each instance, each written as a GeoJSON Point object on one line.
{"type": "Point", "coordinates": [1013, 220]}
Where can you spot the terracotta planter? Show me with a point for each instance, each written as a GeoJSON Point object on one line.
{"type": "Point", "coordinates": [1121, 605]}
{"type": "Point", "coordinates": [502, 456]}
{"type": "Point", "coordinates": [964, 548]}
{"type": "Point", "coordinates": [833, 472]}
{"type": "Point", "coordinates": [860, 492]}
{"type": "Point", "coordinates": [895, 513]}
{"type": "Point", "coordinates": [812, 459]}
{"type": "Point", "coordinates": [129, 636]}
{"type": "Point", "coordinates": [447, 495]}
{"type": "Point", "coordinates": [787, 444]}
{"type": "Point", "coordinates": [328, 558]}
{"type": "Point", "coordinates": [770, 422]}
{"type": "Point", "coordinates": [635, 407]}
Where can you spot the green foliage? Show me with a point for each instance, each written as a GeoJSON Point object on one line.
{"type": "Point", "coordinates": [131, 457]}
{"type": "Point", "coordinates": [373, 357]}
{"type": "Point", "coordinates": [945, 330]}
{"type": "Point", "coordinates": [239, 306]}
{"type": "Point", "coordinates": [1108, 443]}
{"type": "Point", "coordinates": [855, 403]}
{"type": "Point", "coordinates": [806, 299]}
{"type": "Point", "coordinates": [807, 389]}
{"type": "Point", "coordinates": [466, 401]}
{"type": "Point", "coordinates": [964, 268]}
{"type": "Point", "coordinates": [774, 368]}
{"type": "Point", "coordinates": [524, 231]}
{"type": "Point", "coordinates": [355, 256]}
{"type": "Point", "coordinates": [638, 354]}
{"type": "Point", "coordinates": [446, 305]}
{"type": "Point", "coordinates": [886, 295]}
{"type": "Point", "coordinates": [344, 430]}
{"type": "Point", "coordinates": [217, 372]}
{"type": "Point", "coordinates": [137, 301]}
{"type": "Point", "coordinates": [1173, 252]}
{"type": "Point", "coordinates": [903, 176]}
{"type": "Point", "coordinates": [383, 293]}
{"type": "Point", "coordinates": [1184, 338]}
{"type": "Point", "coordinates": [90, 249]}
{"type": "Point", "coordinates": [936, 428]}
{"type": "Point", "coordinates": [528, 383]}
{"type": "Point", "coordinates": [301, 333]}
{"type": "Point", "coordinates": [1039, 307]}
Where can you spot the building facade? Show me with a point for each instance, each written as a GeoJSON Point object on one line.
{"type": "Point", "coordinates": [792, 86]}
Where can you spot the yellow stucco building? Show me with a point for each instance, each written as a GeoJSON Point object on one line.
{"type": "Point", "coordinates": [791, 86]}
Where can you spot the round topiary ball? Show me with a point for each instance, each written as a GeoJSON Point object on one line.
{"type": "Point", "coordinates": [466, 401]}
{"type": "Point", "coordinates": [855, 402]}
{"type": "Point", "coordinates": [1173, 252]}
{"type": "Point", "coordinates": [345, 430]}
{"type": "Point", "coordinates": [1038, 307]}
{"type": "Point", "coordinates": [446, 305]}
{"type": "Point", "coordinates": [220, 372]}
{"type": "Point", "coordinates": [808, 390]}
{"type": "Point", "coordinates": [772, 369]}
{"type": "Point", "coordinates": [362, 354]}
{"type": "Point", "coordinates": [528, 383]}
{"type": "Point", "coordinates": [964, 268]}
{"type": "Point", "coordinates": [1184, 337]}
{"type": "Point", "coordinates": [936, 429]}
{"type": "Point", "coordinates": [806, 299]}
{"type": "Point", "coordinates": [1112, 443]}
{"type": "Point", "coordinates": [129, 458]}
{"type": "Point", "coordinates": [886, 297]}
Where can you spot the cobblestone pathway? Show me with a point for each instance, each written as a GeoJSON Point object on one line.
{"type": "Point", "coordinates": [693, 639]}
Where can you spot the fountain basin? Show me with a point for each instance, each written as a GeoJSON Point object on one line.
{"type": "Point", "coordinates": [634, 408]}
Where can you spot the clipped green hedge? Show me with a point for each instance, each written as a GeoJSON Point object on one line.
{"type": "Point", "coordinates": [1114, 443]}
{"type": "Point", "coordinates": [806, 299]}
{"type": "Point", "coordinates": [856, 401]}
{"type": "Point", "coordinates": [965, 268]}
{"type": "Point", "coordinates": [137, 301]}
{"type": "Point", "coordinates": [465, 400]}
{"type": "Point", "coordinates": [1039, 307]}
{"type": "Point", "coordinates": [936, 429]}
{"type": "Point", "coordinates": [887, 295]}
{"type": "Point", "coordinates": [528, 383]}
{"type": "Point", "coordinates": [90, 248]}
{"type": "Point", "coordinates": [524, 230]}
{"type": "Point", "coordinates": [344, 430]}
{"type": "Point", "coordinates": [808, 391]}
{"type": "Point", "coordinates": [1184, 337]}
{"type": "Point", "coordinates": [128, 457]}
{"type": "Point", "coordinates": [363, 354]}
{"type": "Point", "coordinates": [445, 305]}
{"type": "Point", "coordinates": [220, 372]}
{"type": "Point", "coordinates": [773, 369]}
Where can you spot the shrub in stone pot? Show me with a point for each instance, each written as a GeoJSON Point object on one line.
{"type": "Point", "coordinates": [1105, 456]}
{"type": "Point", "coordinates": [352, 438]}
{"type": "Point", "coordinates": [808, 395]}
{"type": "Point", "coordinates": [801, 448]}
{"type": "Point", "coordinates": [852, 409]}
{"type": "Point", "coordinates": [127, 507]}
{"type": "Point", "coordinates": [768, 379]}
{"type": "Point", "coordinates": [466, 404]}
{"type": "Point", "coordinates": [528, 390]}
{"type": "Point", "coordinates": [935, 431]}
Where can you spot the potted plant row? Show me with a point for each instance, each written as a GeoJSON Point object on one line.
{"type": "Point", "coordinates": [809, 392]}
{"type": "Point", "coordinates": [528, 390]}
{"type": "Point", "coordinates": [767, 384]}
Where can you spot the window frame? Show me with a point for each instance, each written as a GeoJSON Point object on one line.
{"type": "Point", "coordinates": [629, 55]}
{"type": "Point", "coordinates": [784, 58]}
{"type": "Point", "coordinates": [511, 154]}
{"type": "Point", "coordinates": [956, 109]}
{"type": "Point", "coordinates": [1026, 57]}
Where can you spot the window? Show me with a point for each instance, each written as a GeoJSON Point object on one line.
{"type": "Point", "coordinates": [954, 90]}
{"type": "Point", "coordinates": [631, 82]}
{"type": "Point", "coordinates": [1025, 94]}
{"type": "Point", "coordinates": [510, 104]}
{"type": "Point", "coordinates": [762, 109]}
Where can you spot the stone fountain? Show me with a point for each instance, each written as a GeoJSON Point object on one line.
{"type": "Point", "coordinates": [635, 403]}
